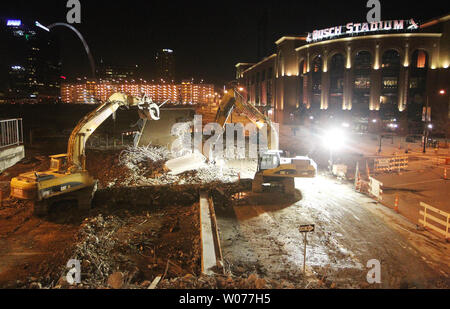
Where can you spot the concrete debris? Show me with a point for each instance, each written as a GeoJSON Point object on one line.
{"type": "Point", "coordinates": [95, 248]}
{"type": "Point", "coordinates": [186, 163]}
{"type": "Point", "coordinates": [132, 157]}
{"type": "Point", "coordinates": [148, 166]}
{"type": "Point", "coordinates": [129, 246]}
{"type": "Point", "coordinates": [253, 281]}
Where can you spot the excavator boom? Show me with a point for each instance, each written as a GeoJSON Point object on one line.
{"type": "Point", "coordinates": [272, 169]}
{"type": "Point", "coordinates": [234, 100]}
{"type": "Point", "coordinates": [76, 159]}
{"type": "Point", "coordinates": [67, 177]}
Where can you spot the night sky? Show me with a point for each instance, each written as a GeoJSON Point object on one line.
{"type": "Point", "coordinates": [209, 38]}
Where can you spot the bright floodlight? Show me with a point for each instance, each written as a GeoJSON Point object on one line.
{"type": "Point", "coordinates": [334, 139]}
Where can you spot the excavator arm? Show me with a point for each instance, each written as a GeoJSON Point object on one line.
{"type": "Point", "coordinates": [76, 158]}
{"type": "Point", "coordinates": [234, 100]}
{"type": "Point", "coordinates": [71, 180]}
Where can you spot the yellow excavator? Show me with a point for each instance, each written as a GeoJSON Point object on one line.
{"type": "Point", "coordinates": [67, 178]}
{"type": "Point", "coordinates": [272, 169]}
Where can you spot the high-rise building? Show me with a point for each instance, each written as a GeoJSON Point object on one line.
{"type": "Point", "coordinates": [117, 72]}
{"type": "Point", "coordinates": [165, 65]}
{"type": "Point", "coordinates": [30, 66]}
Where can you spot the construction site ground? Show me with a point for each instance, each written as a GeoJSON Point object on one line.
{"type": "Point", "coordinates": [134, 233]}
{"type": "Point", "coordinates": [145, 223]}
{"type": "Point", "coordinates": [133, 237]}
{"type": "Point", "coordinates": [138, 241]}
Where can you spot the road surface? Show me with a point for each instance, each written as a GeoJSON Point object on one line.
{"type": "Point", "coordinates": [351, 229]}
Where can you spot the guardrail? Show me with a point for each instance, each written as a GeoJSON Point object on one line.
{"type": "Point", "coordinates": [11, 132]}
{"type": "Point", "coordinates": [428, 218]}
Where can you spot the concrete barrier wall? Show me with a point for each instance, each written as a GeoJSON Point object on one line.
{"type": "Point", "coordinates": [10, 156]}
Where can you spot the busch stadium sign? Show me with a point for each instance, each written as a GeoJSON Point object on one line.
{"type": "Point", "coordinates": [358, 28]}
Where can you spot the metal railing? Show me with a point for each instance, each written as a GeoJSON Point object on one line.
{"type": "Point", "coordinates": [11, 132]}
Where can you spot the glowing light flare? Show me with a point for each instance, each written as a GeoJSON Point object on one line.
{"type": "Point", "coordinates": [334, 139]}
{"type": "Point", "coordinates": [393, 125]}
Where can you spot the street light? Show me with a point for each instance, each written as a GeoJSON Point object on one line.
{"type": "Point", "coordinates": [425, 132]}
{"type": "Point", "coordinates": [444, 92]}
{"type": "Point", "coordinates": [333, 139]}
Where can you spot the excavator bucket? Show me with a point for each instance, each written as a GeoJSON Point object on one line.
{"type": "Point", "coordinates": [159, 133]}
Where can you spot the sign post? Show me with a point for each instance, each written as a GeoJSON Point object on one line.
{"type": "Point", "coordinates": [305, 229]}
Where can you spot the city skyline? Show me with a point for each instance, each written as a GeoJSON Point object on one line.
{"type": "Point", "coordinates": [204, 36]}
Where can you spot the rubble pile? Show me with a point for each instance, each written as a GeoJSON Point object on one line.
{"type": "Point", "coordinates": [95, 248]}
{"type": "Point", "coordinates": [144, 166]}
{"type": "Point", "coordinates": [149, 158]}
{"type": "Point", "coordinates": [123, 248]}
{"type": "Point", "coordinates": [225, 282]}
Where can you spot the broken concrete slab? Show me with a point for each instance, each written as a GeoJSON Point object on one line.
{"type": "Point", "coordinates": [186, 163]}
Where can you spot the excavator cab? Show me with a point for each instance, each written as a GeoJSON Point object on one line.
{"type": "Point", "coordinates": [269, 160]}
{"type": "Point", "coordinates": [58, 163]}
